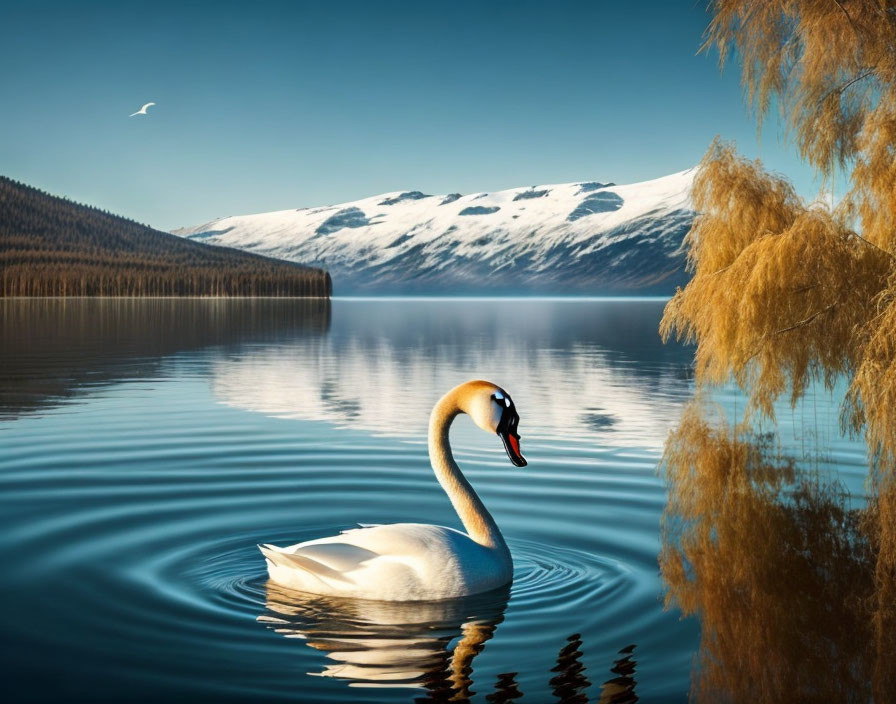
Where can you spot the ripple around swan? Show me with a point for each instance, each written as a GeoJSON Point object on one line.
{"type": "Point", "coordinates": [545, 577]}
{"type": "Point", "coordinates": [372, 645]}
{"type": "Point", "coordinates": [198, 576]}
{"type": "Point", "coordinates": [137, 478]}
{"type": "Point", "coordinates": [209, 590]}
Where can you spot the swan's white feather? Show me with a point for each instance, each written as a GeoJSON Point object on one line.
{"type": "Point", "coordinates": [292, 561]}
{"type": "Point", "coordinates": [397, 562]}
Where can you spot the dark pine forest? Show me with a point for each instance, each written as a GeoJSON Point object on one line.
{"type": "Point", "coordinates": [51, 246]}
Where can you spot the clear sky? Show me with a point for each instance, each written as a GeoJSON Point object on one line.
{"type": "Point", "coordinates": [267, 106]}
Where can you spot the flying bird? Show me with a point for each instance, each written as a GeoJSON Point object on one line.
{"type": "Point", "coordinates": [141, 111]}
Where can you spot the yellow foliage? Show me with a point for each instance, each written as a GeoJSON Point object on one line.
{"type": "Point", "coordinates": [831, 64]}
{"type": "Point", "coordinates": [780, 290]}
{"type": "Point", "coordinates": [873, 195]}
{"type": "Point", "coordinates": [871, 401]}
{"type": "Point", "coordinates": [796, 590]}
{"type": "Point", "coordinates": [784, 292]}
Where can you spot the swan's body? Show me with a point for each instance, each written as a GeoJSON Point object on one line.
{"type": "Point", "coordinates": [142, 111]}
{"type": "Point", "coordinates": [416, 561]}
{"type": "Point", "coordinates": [396, 562]}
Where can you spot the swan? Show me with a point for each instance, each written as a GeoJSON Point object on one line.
{"type": "Point", "coordinates": [417, 561]}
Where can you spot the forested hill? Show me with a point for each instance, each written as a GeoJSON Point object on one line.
{"type": "Point", "coordinates": [51, 246]}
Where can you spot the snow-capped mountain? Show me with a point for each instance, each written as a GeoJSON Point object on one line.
{"type": "Point", "coordinates": [566, 238]}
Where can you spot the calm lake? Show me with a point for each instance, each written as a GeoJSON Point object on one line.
{"type": "Point", "coordinates": [147, 446]}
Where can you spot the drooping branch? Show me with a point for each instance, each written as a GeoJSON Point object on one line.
{"type": "Point", "coordinates": [808, 320]}
{"type": "Point", "coordinates": [838, 90]}
{"type": "Point", "coordinates": [848, 17]}
{"type": "Point", "coordinates": [877, 247]}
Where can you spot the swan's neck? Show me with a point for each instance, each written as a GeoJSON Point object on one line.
{"type": "Point", "coordinates": [478, 522]}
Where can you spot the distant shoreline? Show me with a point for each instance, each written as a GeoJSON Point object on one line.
{"type": "Point", "coordinates": [459, 299]}
{"type": "Point", "coordinates": [165, 298]}
{"type": "Point", "coordinates": [418, 297]}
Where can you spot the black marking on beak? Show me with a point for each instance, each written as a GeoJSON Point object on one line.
{"type": "Point", "coordinates": [507, 430]}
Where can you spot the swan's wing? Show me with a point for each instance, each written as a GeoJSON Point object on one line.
{"type": "Point", "coordinates": [330, 560]}
{"type": "Point", "coordinates": [143, 109]}
{"type": "Point", "coordinates": [343, 557]}
{"type": "Point", "coordinates": [134, 113]}
{"type": "Point", "coordinates": [292, 561]}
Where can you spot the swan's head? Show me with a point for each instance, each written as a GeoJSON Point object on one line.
{"type": "Point", "coordinates": [492, 409]}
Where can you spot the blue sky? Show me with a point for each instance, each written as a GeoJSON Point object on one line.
{"type": "Point", "coordinates": [266, 106]}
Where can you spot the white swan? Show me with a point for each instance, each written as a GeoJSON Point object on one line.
{"type": "Point", "coordinates": [416, 561]}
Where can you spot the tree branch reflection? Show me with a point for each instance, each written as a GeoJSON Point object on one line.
{"type": "Point", "coordinates": [781, 567]}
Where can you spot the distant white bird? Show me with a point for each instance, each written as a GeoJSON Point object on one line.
{"type": "Point", "coordinates": [141, 111]}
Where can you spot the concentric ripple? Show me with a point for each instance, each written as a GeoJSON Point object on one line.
{"type": "Point", "coordinates": [137, 479]}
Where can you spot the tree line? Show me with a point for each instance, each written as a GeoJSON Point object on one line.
{"type": "Point", "coordinates": [50, 246]}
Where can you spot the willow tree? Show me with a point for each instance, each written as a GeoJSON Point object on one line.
{"type": "Point", "coordinates": [785, 291]}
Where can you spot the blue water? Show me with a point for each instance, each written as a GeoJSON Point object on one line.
{"type": "Point", "coordinates": [147, 446]}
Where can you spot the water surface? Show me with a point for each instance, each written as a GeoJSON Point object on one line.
{"type": "Point", "coordinates": [147, 446]}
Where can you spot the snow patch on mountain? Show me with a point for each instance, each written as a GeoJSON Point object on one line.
{"type": "Point", "coordinates": [589, 237]}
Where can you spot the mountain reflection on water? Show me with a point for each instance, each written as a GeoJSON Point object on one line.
{"type": "Point", "coordinates": [608, 383]}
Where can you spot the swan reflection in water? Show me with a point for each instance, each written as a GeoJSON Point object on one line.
{"type": "Point", "coordinates": [391, 644]}
{"type": "Point", "coordinates": [428, 646]}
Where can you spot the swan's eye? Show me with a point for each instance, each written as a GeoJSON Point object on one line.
{"type": "Point", "coordinates": [501, 399]}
